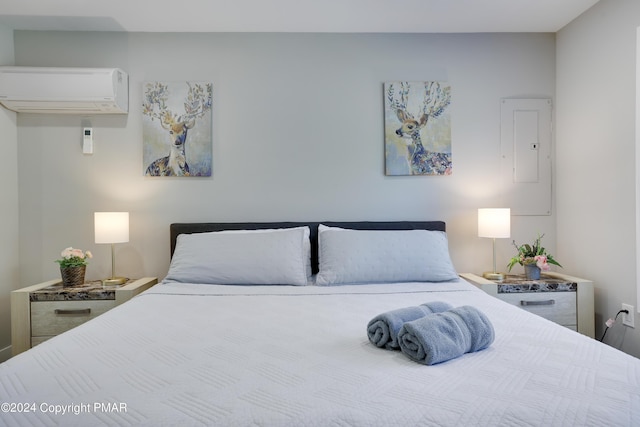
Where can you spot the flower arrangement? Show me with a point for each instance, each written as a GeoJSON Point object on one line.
{"type": "Point", "coordinates": [72, 257]}
{"type": "Point", "coordinates": [533, 254]}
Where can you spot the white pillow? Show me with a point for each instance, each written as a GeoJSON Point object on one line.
{"type": "Point", "coordinates": [374, 256]}
{"type": "Point", "coordinates": [247, 257]}
{"type": "Point", "coordinates": [306, 242]}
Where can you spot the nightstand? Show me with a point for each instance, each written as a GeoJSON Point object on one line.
{"type": "Point", "coordinates": [47, 309]}
{"type": "Point", "coordinates": [563, 299]}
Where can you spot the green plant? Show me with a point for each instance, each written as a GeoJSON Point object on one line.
{"type": "Point", "coordinates": [74, 257]}
{"type": "Point", "coordinates": [532, 254]}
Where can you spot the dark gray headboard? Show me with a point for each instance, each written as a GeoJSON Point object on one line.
{"type": "Point", "coordinates": [203, 227]}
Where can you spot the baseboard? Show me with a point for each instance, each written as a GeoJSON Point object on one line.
{"type": "Point", "coordinates": [5, 354]}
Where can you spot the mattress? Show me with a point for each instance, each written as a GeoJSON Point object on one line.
{"type": "Point", "coordinates": [192, 354]}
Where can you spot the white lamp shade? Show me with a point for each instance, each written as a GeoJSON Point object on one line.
{"type": "Point", "coordinates": [494, 222]}
{"type": "Point", "coordinates": [111, 227]}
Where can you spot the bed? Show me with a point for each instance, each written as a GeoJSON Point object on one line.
{"type": "Point", "coordinates": [222, 341]}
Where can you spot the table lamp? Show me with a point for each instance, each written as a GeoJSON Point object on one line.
{"type": "Point", "coordinates": [112, 227]}
{"type": "Point", "coordinates": [496, 224]}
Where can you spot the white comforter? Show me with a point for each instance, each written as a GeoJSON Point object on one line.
{"type": "Point", "coordinates": [299, 356]}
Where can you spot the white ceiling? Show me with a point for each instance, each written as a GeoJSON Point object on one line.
{"type": "Point", "coordinates": [351, 16]}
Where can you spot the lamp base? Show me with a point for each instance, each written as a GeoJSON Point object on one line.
{"type": "Point", "coordinates": [114, 281]}
{"type": "Point", "coordinates": [492, 275]}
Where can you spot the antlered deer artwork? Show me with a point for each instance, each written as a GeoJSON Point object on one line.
{"type": "Point", "coordinates": [417, 128]}
{"type": "Point", "coordinates": [177, 129]}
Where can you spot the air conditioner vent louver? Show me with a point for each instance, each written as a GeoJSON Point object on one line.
{"type": "Point", "coordinates": [64, 90]}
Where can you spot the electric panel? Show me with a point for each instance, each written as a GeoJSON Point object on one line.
{"type": "Point", "coordinates": [525, 146]}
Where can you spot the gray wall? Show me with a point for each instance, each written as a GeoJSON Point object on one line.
{"type": "Point", "coordinates": [8, 205]}
{"type": "Point", "coordinates": [298, 135]}
{"type": "Point", "coordinates": [596, 120]}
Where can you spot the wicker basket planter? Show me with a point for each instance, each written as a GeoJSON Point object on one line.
{"type": "Point", "coordinates": [73, 276]}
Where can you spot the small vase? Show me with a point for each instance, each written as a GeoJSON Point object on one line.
{"type": "Point", "coordinates": [72, 276]}
{"type": "Point", "coordinates": [532, 272]}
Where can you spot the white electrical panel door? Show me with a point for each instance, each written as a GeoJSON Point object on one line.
{"type": "Point", "coordinates": [525, 145]}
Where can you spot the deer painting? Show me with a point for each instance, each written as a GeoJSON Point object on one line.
{"type": "Point", "coordinates": [197, 103]}
{"type": "Point", "coordinates": [429, 103]}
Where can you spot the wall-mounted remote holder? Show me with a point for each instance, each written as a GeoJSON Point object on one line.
{"type": "Point", "coordinates": [87, 140]}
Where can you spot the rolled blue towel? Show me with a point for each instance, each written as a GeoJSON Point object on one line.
{"type": "Point", "coordinates": [383, 329]}
{"type": "Point", "coordinates": [444, 336]}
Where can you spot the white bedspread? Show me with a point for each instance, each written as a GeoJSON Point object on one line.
{"type": "Point", "coordinates": [299, 356]}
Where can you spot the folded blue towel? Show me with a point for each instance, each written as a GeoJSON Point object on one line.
{"type": "Point", "coordinates": [383, 329]}
{"type": "Point", "coordinates": [443, 336]}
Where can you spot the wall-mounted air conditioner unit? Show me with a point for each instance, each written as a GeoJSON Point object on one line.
{"type": "Point", "coordinates": [64, 90]}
